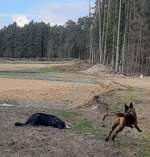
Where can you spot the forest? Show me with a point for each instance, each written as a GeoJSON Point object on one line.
{"type": "Point", "coordinates": [120, 35]}
{"type": "Point", "coordinates": [89, 73]}
{"type": "Point", "coordinates": [116, 33]}
{"type": "Point", "coordinates": [43, 40]}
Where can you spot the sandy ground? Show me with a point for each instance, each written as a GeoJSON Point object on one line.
{"type": "Point", "coordinates": [51, 92]}
{"type": "Point", "coordinates": [72, 90]}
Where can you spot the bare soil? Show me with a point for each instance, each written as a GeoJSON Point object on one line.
{"type": "Point", "coordinates": [50, 92]}
{"type": "Point", "coordinates": [70, 90]}
{"type": "Point", "coordinates": [45, 141]}
{"type": "Point", "coordinates": [98, 69]}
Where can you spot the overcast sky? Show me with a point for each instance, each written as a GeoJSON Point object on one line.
{"type": "Point", "coordinates": [49, 11]}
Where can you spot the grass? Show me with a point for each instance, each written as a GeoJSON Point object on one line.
{"type": "Point", "coordinates": [144, 146]}
{"type": "Point", "coordinates": [18, 72]}
{"type": "Point", "coordinates": [52, 73]}
{"type": "Point", "coordinates": [32, 71]}
{"type": "Point", "coordinates": [122, 97]}
{"type": "Point", "coordinates": [84, 126]}
{"type": "Point", "coordinates": [117, 98]}
{"type": "Point", "coordinates": [80, 124]}
{"type": "Point", "coordinates": [41, 73]}
{"type": "Point", "coordinates": [78, 121]}
{"type": "Point", "coordinates": [65, 114]}
{"type": "Point", "coordinates": [8, 73]}
{"type": "Point", "coordinates": [51, 69]}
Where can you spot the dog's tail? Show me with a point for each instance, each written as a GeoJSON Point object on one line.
{"type": "Point", "coordinates": [19, 124]}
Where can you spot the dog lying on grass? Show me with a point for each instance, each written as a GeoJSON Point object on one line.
{"type": "Point", "coordinates": [43, 119]}
{"type": "Point", "coordinates": [128, 118]}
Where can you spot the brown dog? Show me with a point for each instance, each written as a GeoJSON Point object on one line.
{"type": "Point", "coordinates": [128, 118]}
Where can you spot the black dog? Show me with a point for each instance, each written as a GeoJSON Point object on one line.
{"type": "Point", "coordinates": [43, 119]}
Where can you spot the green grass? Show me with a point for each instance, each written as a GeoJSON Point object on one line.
{"type": "Point", "coordinates": [47, 73]}
{"type": "Point", "coordinates": [117, 98]}
{"type": "Point", "coordinates": [123, 97]}
{"type": "Point", "coordinates": [8, 73]}
{"type": "Point", "coordinates": [80, 124]}
{"type": "Point", "coordinates": [77, 119]}
{"type": "Point", "coordinates": [66, 114]}
{"type": "Point", "coordinates": [83, 126]}
{"type": "Point", "coordinates": [19, 72]}
{"type": "Point", "coordinates": [31, 71]}
{"type": "Point", "coordinates": [87, 128]}
{"type": "Point", "coordinates": [51, 69]}
{"type": "Point", "coordinates": [144, 146]}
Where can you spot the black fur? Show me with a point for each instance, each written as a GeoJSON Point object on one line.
{"type": "Point", "coordinates": [43, 119]}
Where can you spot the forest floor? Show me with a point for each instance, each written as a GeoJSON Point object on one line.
{"type": "Point", "coordinates": [63, 89]}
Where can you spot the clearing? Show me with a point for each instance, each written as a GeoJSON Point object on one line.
{"type": "Point", "coordinates": [67, 89]}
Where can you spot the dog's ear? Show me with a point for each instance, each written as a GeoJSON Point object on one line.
{"type": "Point", "coordinates": [131, 105]}
{"type": "Point", "coordinates": [126, 107]}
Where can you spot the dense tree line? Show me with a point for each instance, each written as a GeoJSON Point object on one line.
{"type": "Point", "coordinates": [42, 40]}
{"type": "Point", "coordinates": [120, 35]}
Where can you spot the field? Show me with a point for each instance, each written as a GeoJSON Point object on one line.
{"type": "Point", "coordinates": [63, 89]}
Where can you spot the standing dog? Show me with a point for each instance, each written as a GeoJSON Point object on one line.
{"type": "Point", "coordinates": [128, 118]}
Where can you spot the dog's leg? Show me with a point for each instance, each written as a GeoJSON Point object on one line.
{"type": "Point", "coordinates": [137, 127]}
{"type": "Point", "coordinates": [120, 128]}
{"type": "Point", "coordinates": [115, 124]}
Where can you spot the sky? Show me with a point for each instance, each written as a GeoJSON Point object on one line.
{"type": "Point", "coordinates": [49, 11]}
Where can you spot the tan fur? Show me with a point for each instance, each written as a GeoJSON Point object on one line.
{"type": "Point", "coordinates": [123, 119]}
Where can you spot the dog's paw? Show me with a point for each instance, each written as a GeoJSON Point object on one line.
{"type": "Point", "coordinates": [140, 130]}
{"type": "Point", "coordinates": [113, 138]}
{"type": "Point", "coordinates": [106, 139]}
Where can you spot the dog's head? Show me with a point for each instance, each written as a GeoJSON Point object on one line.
{"type": "Point", "coordinates": [130, 108]}
{"type": "Point", "coordinates": [62, 125]}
